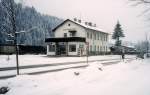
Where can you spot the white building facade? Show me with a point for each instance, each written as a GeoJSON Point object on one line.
{"type": "Point", "coordinates": [74, 38]}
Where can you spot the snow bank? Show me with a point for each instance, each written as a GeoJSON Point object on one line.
{"type": "Point", "coordinates": [125, 78]}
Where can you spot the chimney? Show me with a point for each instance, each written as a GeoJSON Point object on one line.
{"type": "Point", "coordinates": [79, 21]}
{"type": "Point", "coordinates": [90, 23]}
{"type": "Point", "coordinates": [75, 19]}
{"type": "Point", "coordinates": [86, 23]}
{"type": "Point", "coordinates": [94, 25]}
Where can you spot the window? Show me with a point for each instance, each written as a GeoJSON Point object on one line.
{"type": "Point", "coordinates": [72, 33]}
{"type": "Point", "coordinates": [68, 24]}
{"type": "Point", "coordinates": [104, 48]}
{"type": "Point", "coordinates": [90, 47]}
{"type": "Point", "coordinates": [91, 36]}
{"type": "Point", "coordinates": [72, 48]}
{"type": "Point", "coordinates": [100, 48]}
{"type": "Point", "coordinates": [87, 34]}
{"type": "Point", "coordinates": [99, 36]}
{"type": "Point", "coordinates": [95, 36]}
{"type": "Point", "coordinates": [106, 38]}
{"type": "Point", "coordinates": [103, 37]}
{"type": "Point", "coordinates": [51, 48]}
{"type": "Point", "coordinates": [81, 46]}
{"type": "Point", "coordinates": [65, 34]}
{"type": "Point", "coordinates": [97, 48]}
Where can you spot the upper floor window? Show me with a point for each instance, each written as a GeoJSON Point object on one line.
{"type": "Point", "coordinates": [91, 36]}
{"type": "Point", "coordinates": [95, 36]}
{"type": "Point", "coordinates": [87, 34]}
{"type": "Point", "coordinates": [72, 33]}
{"type": "Point", "coordinates": [69, 24]}
{"type": "Point", "coordinates": [106, 38]}
{"type": "Point", "coordinates": [102, 37]}
{"type": "Point", "coordinates": [65, 34]}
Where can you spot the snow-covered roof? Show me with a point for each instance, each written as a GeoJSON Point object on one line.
{"type": "Point", "coordinates": [83, 25]}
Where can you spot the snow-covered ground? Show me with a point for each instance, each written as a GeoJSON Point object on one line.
{"type": "Point", "coordinates": [26, 60]}
{"type": "Point", "coordinates": [125, 78]}
{"type": "Point", "coordinates": [43, 59]}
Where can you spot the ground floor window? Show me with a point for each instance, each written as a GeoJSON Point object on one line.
{"type": "Point", "coordinates": [90, 47]}
{"type": "Point", "coordinates": [95, 48]}
{"type": "Point", "coordinates": [100, 48]}
{"type": "Point", "coordinates": [72, 48]}
{"type": "Point", "coordinates": [51, 48]}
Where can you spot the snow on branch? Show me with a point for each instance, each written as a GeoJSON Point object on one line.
{"type": "Point", "coordinates": [141, 2]}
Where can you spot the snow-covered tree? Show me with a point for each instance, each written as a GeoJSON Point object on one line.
{"type": "Point", "coordinates": [26, 18]}
{"type": "Point", "coordinates": [117, 34]}
{"type": "Point", "coordinates": [7, 19]}
{"type": "Point", "coordinates": [146, 4]}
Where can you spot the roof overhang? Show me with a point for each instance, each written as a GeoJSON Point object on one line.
{"type": "Point", "coordinates": [67, 39]}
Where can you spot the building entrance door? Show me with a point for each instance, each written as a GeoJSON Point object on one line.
{"type": "Point", "coordinates": [61, 49]}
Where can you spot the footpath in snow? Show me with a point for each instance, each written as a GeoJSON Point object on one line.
{"type": "Point", "coordinates": [124, 78]}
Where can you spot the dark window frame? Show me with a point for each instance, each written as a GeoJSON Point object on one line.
{"type": "Point", "coordinates": [72, 48]}
{"type": "Point", "coordinates": [65, 34]}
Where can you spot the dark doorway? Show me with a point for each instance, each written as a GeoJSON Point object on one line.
{"type": "Point", "coordinates": [61, 49]}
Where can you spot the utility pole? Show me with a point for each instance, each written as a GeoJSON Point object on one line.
{"type": "Point", "coordinates": [87, 53]}
{"type": "Point", "coordinates": [147, 45]}
{"type": "Point", "coordinates": [15, 34]}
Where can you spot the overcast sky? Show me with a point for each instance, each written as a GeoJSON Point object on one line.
{"type": "Point", "coordinates": [104, 13]}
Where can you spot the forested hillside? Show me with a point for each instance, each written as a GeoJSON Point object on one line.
{"type": "Point", "coordinates": [37, 25]}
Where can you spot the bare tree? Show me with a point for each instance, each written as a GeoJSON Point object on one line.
{"type": "Point", "coordinates": [146, 13]}
{"type": "Point", "coordinates": [141, 1]}
{"type": "Point", "coordinates": [146, 3]}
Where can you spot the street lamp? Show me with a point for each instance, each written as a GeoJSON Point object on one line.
{"type": "Point", "coordinates": [16, 45]}
{"type": "Point", "coordinates": [14, 34]}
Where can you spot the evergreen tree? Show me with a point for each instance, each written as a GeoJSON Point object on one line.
{"type": "Point", "coordinates": [118, 33]}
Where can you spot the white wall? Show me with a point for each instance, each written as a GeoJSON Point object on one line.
{"type": "Point", "coordinates": [98, 42]}
{"type": "Point", "coordinates": [65, 28]}
{"type": "Point", "coordinates": [48, 52]}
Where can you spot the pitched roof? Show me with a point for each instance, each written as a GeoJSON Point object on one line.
{"type": "Point", "coordinates": [82, 25]}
